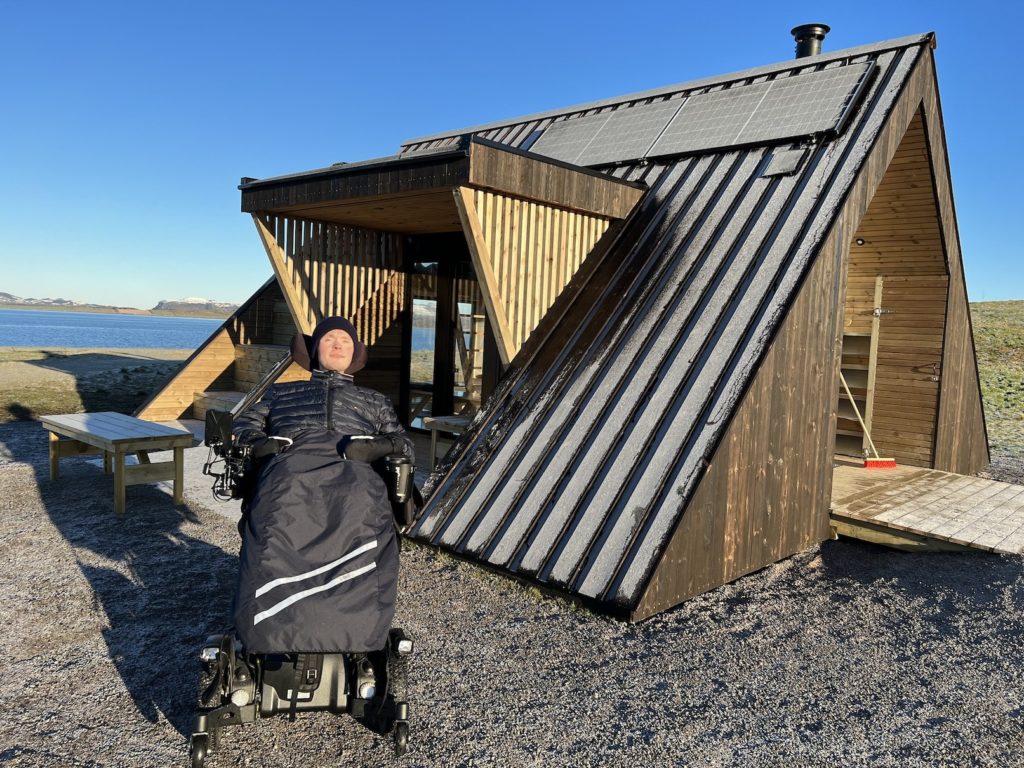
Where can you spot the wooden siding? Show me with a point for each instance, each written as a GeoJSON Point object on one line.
{"type": "Point", "coordinates": [900, 230]}
{"type": "Point", "coordinates": [392, 195]}
{"type": "Point", "coordinates": [557, 185]}
{"type": "Point", "coordinates": [962, 440]}
{"type": "Point", "coordinates": [909, 361]}
{"type": "Point", "coordinates": [211, 367]}
{"type": "Point", "coordinates": [326, 269]}
{"type": "Point", "coordinates": [412, 195]}
{"type": "Point", "coordinates": [524, 254]}
{"type": "Point", "coordinates": [910, 239]}
{"type": "Point", "coordinates": [765, 493]}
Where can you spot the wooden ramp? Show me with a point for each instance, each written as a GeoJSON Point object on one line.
{"type": "Point", "coordinates": [914, 508]}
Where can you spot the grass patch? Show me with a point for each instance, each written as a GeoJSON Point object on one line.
{"type": "Point", "coordinates": [999, 341]}
{"type": "Point", "coordinates": [121, 390]}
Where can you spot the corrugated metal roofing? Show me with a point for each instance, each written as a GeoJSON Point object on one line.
{"type": "Point", "coordinates": [580, 466]}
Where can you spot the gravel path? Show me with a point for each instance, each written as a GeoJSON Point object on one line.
{"type": "Point", "coordinates": [846, 654]}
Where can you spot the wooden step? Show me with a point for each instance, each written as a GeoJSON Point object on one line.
{"type": "Point", "coordinates": [220, 401]}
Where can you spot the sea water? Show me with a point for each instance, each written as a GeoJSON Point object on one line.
{"type": "Point", "coordinates": [48, 329]}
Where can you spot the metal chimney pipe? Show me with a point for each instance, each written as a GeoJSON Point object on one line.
{"type": "Point", "coordinates": [808, 38]}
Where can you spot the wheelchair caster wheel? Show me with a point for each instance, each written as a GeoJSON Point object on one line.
{"type": "Point", "coordinates": [199, 749]}
{"type": "Point", "coordinates": [401, 738]}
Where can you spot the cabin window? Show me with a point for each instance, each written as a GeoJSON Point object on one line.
{"type": "Point", "coordinates": [448, 348]}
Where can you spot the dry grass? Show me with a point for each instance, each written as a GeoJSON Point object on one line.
{"type": "Point", "coordinates": [999, 339]}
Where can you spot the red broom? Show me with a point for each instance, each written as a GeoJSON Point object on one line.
{"type": "Point", "coordinates": [878, 462]}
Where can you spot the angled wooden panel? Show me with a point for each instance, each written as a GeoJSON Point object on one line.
{"type": "Point", "coordinates": [326, 269]}
{"type": "Point", "coordinates": [554, 184]}
{"type": "Point", "coordinates": [766, 492]}
{"type": "Point", "coordinates": [210, 364]}
{"type": "Point", "coordinates": [524, 253]}
{"type": "Point", "coordinates": [962, 439]}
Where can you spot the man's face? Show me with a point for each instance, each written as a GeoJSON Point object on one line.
{"type": "Point", "coordinates": [335, 351]}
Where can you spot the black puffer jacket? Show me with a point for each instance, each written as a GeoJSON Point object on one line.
{"type": "Point", "coordinates": [328, 401]}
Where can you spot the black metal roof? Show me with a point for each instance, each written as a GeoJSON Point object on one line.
{"type": "Point", "coordinates": [581, 464]}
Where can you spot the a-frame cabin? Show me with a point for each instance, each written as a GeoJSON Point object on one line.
{"type": "Point", "coordinates": [648, 303]}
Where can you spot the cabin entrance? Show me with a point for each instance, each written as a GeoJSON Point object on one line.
{"type": "Point", "coordinates": [892, 364]}
{"type": "Point", "coordinates": [449, 348]}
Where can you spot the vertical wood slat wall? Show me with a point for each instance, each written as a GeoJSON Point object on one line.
{"type": "Point", "coordinates": [749, 510]}
{"type": "Point", "coordinates": [962, 441]}
{"type": "Point", "coordinates": [337, 270]}
{"type": "Point", "coordinates": [534, 250]}
{"type": "Point", "coordinates": [907, 373]}
{"type": "Point", "coordinates": [902, 243]}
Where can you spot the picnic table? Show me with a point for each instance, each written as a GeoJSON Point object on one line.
{"type": "Point", "coordinates": [115, 435]}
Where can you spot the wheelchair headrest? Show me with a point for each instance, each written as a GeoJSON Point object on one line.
{"type": "Point", "coordinates": [300, 350]}
{"type": "Point", "coordinates": [302, 346]}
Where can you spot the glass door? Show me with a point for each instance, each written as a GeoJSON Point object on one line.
{"type": "Point", "coordinates": [424, 342]}
{"type": "Point", "coordinates": [451, 344]}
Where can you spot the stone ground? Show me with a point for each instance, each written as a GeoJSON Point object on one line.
{"type": "Point", "coordinates": [846, 654]}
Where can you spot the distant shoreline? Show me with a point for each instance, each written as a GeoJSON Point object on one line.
{"type": "Point", "coordinates": [201, 313]}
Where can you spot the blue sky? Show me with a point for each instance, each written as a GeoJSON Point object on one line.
{"type": "Point", "coordinates": [125, 127]}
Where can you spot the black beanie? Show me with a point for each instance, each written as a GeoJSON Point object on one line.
{"type": "Point", "coordinates": [337, 324]}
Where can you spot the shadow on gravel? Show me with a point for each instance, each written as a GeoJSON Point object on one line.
{"type": "Point", "coordinates": [157, 585]}
{"type": "Point", "coordinates": [944, 583]}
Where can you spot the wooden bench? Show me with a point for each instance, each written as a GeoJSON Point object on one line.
{"type": "Point", "coordinates": [114, 435]}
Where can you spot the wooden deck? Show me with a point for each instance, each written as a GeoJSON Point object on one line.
{"type": "Point", "coordinates": [915, 508]}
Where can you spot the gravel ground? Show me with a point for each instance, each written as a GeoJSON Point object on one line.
{"type": "Point", "coordinates": [846, 654]}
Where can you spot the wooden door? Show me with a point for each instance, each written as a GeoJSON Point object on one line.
{"type": "Point", "coordinates": [911, 322]}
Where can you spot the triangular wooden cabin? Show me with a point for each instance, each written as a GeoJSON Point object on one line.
{"type": "Point", "coordinates": [648, 302]}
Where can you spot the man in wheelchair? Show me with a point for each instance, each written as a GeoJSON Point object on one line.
{"type": "Point", "coordinates": [318, 574]}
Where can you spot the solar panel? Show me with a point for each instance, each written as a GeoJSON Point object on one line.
{"type": "Point", "coordinates": [805, 104]}
{"type": "Point", "coordinates": [710, 119]}
{"type": "Point", "coordinates": [566, 140]}
{"type": "Point", "coordinates": [784, 108]}
{"type": "Point", "coordinates": [629, 133]}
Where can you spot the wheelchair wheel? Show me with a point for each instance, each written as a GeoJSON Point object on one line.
{"type": "Point", "coordinates": [401, 738]}
{"type": "Point", "coordinates": [199, 749]}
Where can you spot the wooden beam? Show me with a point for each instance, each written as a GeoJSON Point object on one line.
{"type": "Point", "coordinates": [489, 286]}
{"type": "Point", "coordinates": [551, 183]}
{"type": "Point", "coordinates": [295, 296]}
{"type": "Point", "coordinates": [863, 530]}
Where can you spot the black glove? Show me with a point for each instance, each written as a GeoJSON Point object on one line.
{"type": "Point", "coordinates": [265, 446]}
{"type": "Point", "coordinates": [367, 450]}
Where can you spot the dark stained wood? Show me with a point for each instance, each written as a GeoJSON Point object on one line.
{"type": "Point", "coordinates": [766, 491]}
{"type": "Point", "coordinates": [355, 185]}
{"type": "Point", "coordinates": [512, 173]}
{"type": "Point", "coordinates": [413, 195]}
